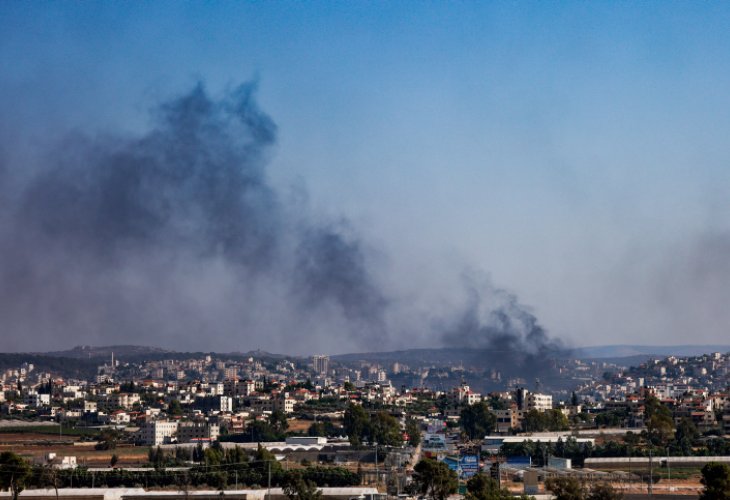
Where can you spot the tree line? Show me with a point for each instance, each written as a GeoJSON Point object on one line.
{"type": "Point", "coordinates": [219, 469]}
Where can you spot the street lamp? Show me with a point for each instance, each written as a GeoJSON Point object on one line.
{"type": "Point", "coordinates": [669, 472]}
{"type": "Point", "coordinates": [377, 477]}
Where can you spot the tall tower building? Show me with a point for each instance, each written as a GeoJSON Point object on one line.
{"type": "Point", "coordinates": [320, 363]}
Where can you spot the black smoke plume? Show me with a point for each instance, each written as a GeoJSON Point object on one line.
{"type": "Point", "coordinates": [502, 333]}
{"type": "Point", "coordinates": [176, 237]}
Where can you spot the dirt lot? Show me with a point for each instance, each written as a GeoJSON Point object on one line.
{"type": "Point", "coordinates": [296, 425]}
{"type": "Point", "coordinates": [35, 446]}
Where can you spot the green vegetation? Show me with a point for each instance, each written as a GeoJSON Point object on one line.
{"type": "Point", "coordinates": [296, 487]}
{"type": "Point", "coordinates": [659, 422]}
{"type": "Point", "coordinates": [549, 420]}
{"type": "Point", "coordinates": [218, 468]}
{"type": "Point", "coordinates": [716, 480]}
{"type": "Point", "coordinates": [477, 420]}
{"type": "Point", "coordinates": [434, 479]}
{"type": "Point", "coordinates": [325, 429]}
{"type": "Point", "coordinates": [15, 473]}
{"type": "Point", "coordinates": [483, 487]}
{"type": "Point", "coordinates": [569, 488]}
{"type": "Point", "coordinates": [413, 429]}
{"type": "Point", "coordinates": [380, 428]}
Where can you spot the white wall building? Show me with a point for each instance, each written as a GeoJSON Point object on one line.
{"type": "Point", "coordinates": [157, 432]}
{"type": "Point", "coordinates": [539, 402]}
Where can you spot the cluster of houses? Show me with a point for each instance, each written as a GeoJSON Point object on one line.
{"type": "Point", "coordinates": [229, 395]}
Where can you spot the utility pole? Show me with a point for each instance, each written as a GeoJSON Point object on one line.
{"type": "Point", "coordinates": [377, 478]}
{"type": "Point", "coordinates": [651, 474]}
{"type": "Point", "coordinates": [269, 480]}
{"type": "Point", "coordinates": [669, 473]}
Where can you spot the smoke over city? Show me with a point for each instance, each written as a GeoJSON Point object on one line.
{"type": "Point", "coordinates": [177, 238]}
{"type": "Point", "coordinates": [502, 333]}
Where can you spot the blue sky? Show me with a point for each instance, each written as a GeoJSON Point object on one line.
{"type": "Point", "coordinates": [576, 152]}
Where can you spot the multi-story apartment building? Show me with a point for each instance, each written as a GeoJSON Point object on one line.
{"type": "Point", "coordinates": [539, 402]}
{"type": "Point", "coordinates": [320, 364]}
{"type": "Point", "coordinates": [508, 420]}
{"type": "Point", "coordinates": [157, 432]}
{"type": "Point", "coordinates": [192, 432]}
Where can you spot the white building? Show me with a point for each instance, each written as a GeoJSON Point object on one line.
{"type": "Point", "coordinates": [157, 432]}
{"type": "Point", "coordinates": [35, 399]}
{"type": "Point", "coordinates": [539, 402]}
{"type": "Point", "coordinates": [284, 403]}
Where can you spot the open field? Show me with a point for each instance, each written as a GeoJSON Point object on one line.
{"type": "Point", "coordinates": [48, 430]}
{"type": "Point", "coordinates": [35, 445]}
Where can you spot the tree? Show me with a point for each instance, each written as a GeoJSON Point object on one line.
{"type": "Point", "coordinates": [296, 487]}
{"type": "Point", "coordinates": [385, 429]}
{"type": "Point", "coordinates": [566, 488]}
{"type": "Point", "coordinates": [174, 408]}
{"type": "Point", "coordinates": [316, 429]}
{"type": "Point", "coordinates": [716, 480]}
{"type": "Point", "coordinates": [660, 428]}
{"type": "Point", "coordinates": [686, 435]}
{"type": "Point", "coordinates": [434, 479]}
{"type": "Point", "coordinates": [278, 421]}
{"type": "Point", "coordinates": [114, 460]}
{"type": "Point", "coordinates": [574, 399]}
{"type": "Point", "coordinates": [483, 487]}
{"type": "Point", "coordinates": [477, 420]}
{"type": "Point", "coordinates": [497, 403]}
{"type": "Point", "coordinates": [604, 491]}
{"type": "Point", "coordinates": [356, 423]}
{"type": "Point", "coordinates": [414, 432]}
{"type": "Point", "coordinates": [265, 461]}
{"type": "Point", "coordinates": [108, 439]}
{"type": "Point", "coordinates": [46, 476]}
{"type": "Point", "coordinates": [548, 420]}
{"type": "Point", "coordinates": [556, 420]}
{"type": "Point", "coordinates": [659, 422]}
{"type": "Point", "coordinates": [14, 473]}
{"type": "Point", "coordinates": [259, 430]}
{"type": "Point", "coordinates": [534, 421]}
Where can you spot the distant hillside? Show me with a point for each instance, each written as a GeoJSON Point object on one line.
{"type": "Point", "coordinates": [105, 352]}
{"type": "Point", "coordinates": [66, 367]}
{"type": "Point", "coordinates": [620, 354]}
{"type": "Point", "coordinates": [626, 350]}
{"type": "Point", "coordinates": [137, 354]}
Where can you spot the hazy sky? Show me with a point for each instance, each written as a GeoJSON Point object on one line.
{"type": "Point", "coordinates": [575, 153]}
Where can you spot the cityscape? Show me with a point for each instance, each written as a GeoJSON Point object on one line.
{"type": "Point", "coordinates": [146, 415]}
{"type": "Point", "coordinates": [357, 250]}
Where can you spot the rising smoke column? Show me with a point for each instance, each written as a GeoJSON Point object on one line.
{"type": "Point", "coordinates": [503, 333]}
{"type": "Point", "coordinates": [176, 237]}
